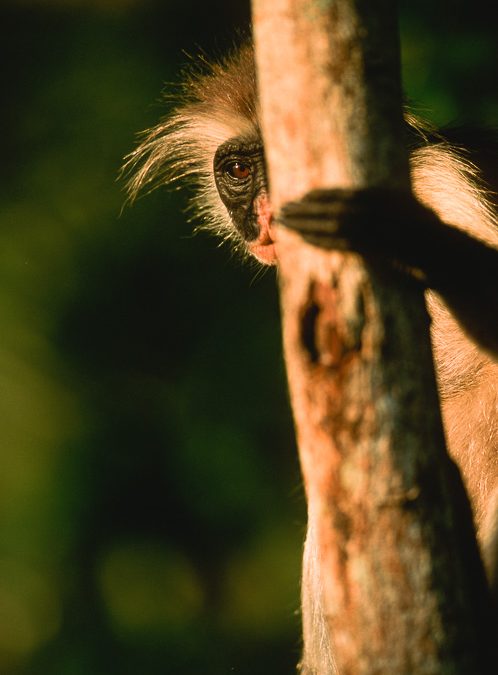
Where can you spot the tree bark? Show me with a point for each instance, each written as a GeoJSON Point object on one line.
{"type": "Point", "coordinates": [403, 585]}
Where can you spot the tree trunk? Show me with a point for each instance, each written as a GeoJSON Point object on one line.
{"type": "Point", "coordinates": [403, 586]}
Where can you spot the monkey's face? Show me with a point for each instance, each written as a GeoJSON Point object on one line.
{"type": "Point", "coordinates": [240, 176]}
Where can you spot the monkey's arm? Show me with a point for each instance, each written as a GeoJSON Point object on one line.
{"type": "Point", "coordinates": [392, 227]}
{"type": "Point", "coordinates": [464, 271]}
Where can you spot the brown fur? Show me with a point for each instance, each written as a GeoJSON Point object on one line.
{"type": "Point", "coordinates": [220, 102]}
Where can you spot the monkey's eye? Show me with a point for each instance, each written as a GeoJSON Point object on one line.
{"type": "Point", "coordinates": [238, 170]}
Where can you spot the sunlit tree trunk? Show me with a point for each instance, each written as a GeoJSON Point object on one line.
{"type": "Point", "coordinates": [403, 587]}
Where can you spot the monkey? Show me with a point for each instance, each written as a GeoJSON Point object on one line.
{"type": "Point", "coordinates": [213, 138]}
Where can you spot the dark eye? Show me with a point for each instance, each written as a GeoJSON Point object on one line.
{"type": "Point", "coordinates": [238, 170]}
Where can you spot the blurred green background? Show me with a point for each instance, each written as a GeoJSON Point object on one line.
{"type": "Point", "coordinates": [151, 512]}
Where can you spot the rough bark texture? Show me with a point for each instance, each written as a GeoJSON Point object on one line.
{"type": "Point", "coordinates": [404, 590]}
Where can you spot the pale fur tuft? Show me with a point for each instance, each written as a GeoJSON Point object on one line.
{"type": "Point", "coordinates": [446, 181]}
{"type": "Point", "coordinates": [183, 144]}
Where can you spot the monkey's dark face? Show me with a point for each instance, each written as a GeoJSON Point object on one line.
{"type": "Point", "coordinates": [240, 175]}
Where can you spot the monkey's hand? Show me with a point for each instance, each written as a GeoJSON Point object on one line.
{"type": "Point", "coordinates": [392, 227]}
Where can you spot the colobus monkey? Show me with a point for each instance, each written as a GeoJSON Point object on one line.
{"type": "Point", "coordinates": [214, 138]}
